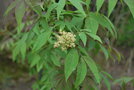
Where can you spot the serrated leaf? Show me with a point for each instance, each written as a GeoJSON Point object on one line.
{"type": "Point", "coordinates": [83, 37]}
{"type": "Point", "coordinates": [19, 13]}
{"type": "Point", "coordinates": [95, 37]}
{"type": "Point", "coordinates": [41, 40]}
{"type": "Point", "coordinates": [60, 7]}
{"type": "Point", "coordinates": [81, 73]}
{"type": "Point", "coordinates": [104, 21]}
{"type": "Point", "coordinates": [55, 60]}
{"type": "Point", "coordinates": [83, 51]}
{"type": "Point", "coordinates": [112, 26]}
{"type": "Point", "coordinates": [99, 4]}
{"type": "Point", "coordinates": [71, 62]}
{"type": "Point", "coordinates": [91, 64]}
{"type": "Point", "coordinates": [130, 4]}
{"type": "Point", "coordinates": [91, 24]}
{"type": "Point", "coordinates": [78, 5]}
{"type": "Point", "coordinates": [34, 59]}
{"type": "Point", "coordinates": [111, 5]}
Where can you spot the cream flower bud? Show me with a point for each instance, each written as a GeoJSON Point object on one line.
{"type": "Point", "coordinates": [65, 40]}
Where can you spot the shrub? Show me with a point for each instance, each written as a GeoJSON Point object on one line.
{"type": "Point", "coordinates": [56, 37]}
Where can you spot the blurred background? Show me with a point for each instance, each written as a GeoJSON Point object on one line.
{"type": "Point", "coordinates": [15, 76]}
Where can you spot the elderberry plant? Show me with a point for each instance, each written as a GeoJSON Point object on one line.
{"type": "Point", "coordinates": [55, 37]}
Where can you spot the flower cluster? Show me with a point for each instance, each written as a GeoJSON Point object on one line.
{"type": "Point", "coordinates": [65, 40]}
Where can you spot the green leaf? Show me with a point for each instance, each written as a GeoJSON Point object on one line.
{"type": "Point", "coordinates": [41, 4]}
{"type": "Point", "coordinates": [69, 25]}
{"type": "Point", "coordinates": [92, 25]}
{"type": "Point", "coordinates": [91, 64]}
{"type": "Point", "coordinates": [130, 4]}
{"type": "Point", "coordinates": [60, 7]}
{"type": "Point", "coordinates": [83, 51]}
{"type": "Point", "coordinates": [81, 73]}
{"type": "Point", "coordinates": [117, 54]}
{"type": "Point", "coordinates": [78, 5]}
{"type": "Point", "coordinates": [112, 26]}
{"type": "Point", "coordinates": [123, 79]}
{"type": "Point", "coordinates": [39, 66]}
{"type": "Point", "coordinates": [55, 60]}
{"type": "Point", "coordinates": [37, 9]}
{"type": "Point", "coordinates": [99, 4]}
{"type": "Point", "coordinates": [50, 8]}
{"type": "Point", "coordinates": [20, 27]}
{"type": "Point", "coordinates": [44, 24]}
{"type": "Point", "coordinates": [77, 21]}
{"type": "Point", "coordinates": [108, 75]}
{"type": "Point", "coordinates": [36, 29]}
{"type": "Point", "coordinates": [106, 81]}
{"type": "Point", "coordinates": [61, 24]}
{"type": "Point", "coordinates": [19, 13]}
{"type": "Point", "coordinates": [104, 21]}
{"type": "Point", "coordinates": [83, 37]}
{"type": "Point", "coordinates": [16, 51]}
{"type": "Point", "coordinates": [20, 47]}
{"type": "Point", "coordinates": [111, 5]}
{"type": "Point", "coordinates": [41, 40]}
{"type": "Point", "coordinates": [35, 5]}
{"type": "Point", "coordinates": [71, 62]}
{"type": "Point", "coordinates": [34, 59]}
{"type": "Point", "coordinates": [105, 52]}
{"type": "Point", "coordinates": [35, 86]}
{"type": "Point", "coordinates": [88, 3]}
{"type": "Point", "coordinates": [95, 37]}
{"type": "Point", "coordinates": [23, 50]}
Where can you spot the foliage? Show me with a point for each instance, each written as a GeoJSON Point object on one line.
{"type": "Point", "coordinates": [63, 68]}
{"type": "Point", "coordinates": [127, 34]}
{"type": "Point", "coordinates": [123, 81]}
{"type": "Point", "coordinates": [6, 40]}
